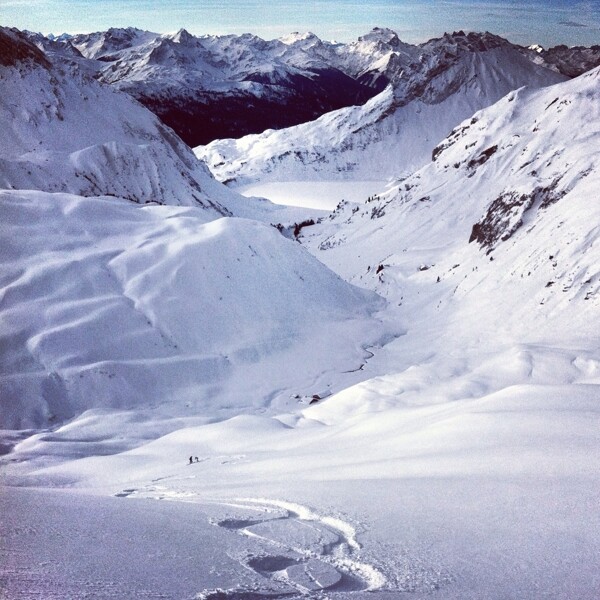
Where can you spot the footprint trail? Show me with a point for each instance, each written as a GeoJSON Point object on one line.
{"type": "Point", "coordinates": [292, 550]}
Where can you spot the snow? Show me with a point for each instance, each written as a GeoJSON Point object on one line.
{"type": "Point", "coordinates": [457, 519]}
{"type": "Point", "coordinates": [187, 299]}
{"type": "Point", "coordinates": [441, 443]}
{"type": "Point", "coordinates": [77, 136]}
{"type": "Point", "coordinates": [320, 195]}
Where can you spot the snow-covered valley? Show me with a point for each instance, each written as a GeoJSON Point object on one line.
{"type": "Point", "coordinates": [397, 399]}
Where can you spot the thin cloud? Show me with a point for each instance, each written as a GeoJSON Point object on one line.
{"type": "Point", "coordinates": [24, 3]}
{"type": "Point", "coordinates": [571, 24]}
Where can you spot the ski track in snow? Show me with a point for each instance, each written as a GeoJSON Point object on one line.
{"type": "Point", "coordinates": [303, 552]}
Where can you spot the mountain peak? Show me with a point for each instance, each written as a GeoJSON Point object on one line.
{"type": "Point", "coordinates": [470, 42]}
{"type": "Point", "coordinates": [62, 37]}
{"type": "Point", "coordinates": [296, 36]}
{"type": "Point", "coordinates": [123, 33]}
{"type": "Point", "coordinates": [182, 36]}
{"type": "Point", "coordinates": [382, 35]}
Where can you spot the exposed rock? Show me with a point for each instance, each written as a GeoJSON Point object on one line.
{"type": "Point", "coordinates": [15, 48]}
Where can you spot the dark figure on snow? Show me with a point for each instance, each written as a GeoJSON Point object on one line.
{"type": "Point", "coordinates": [196, 459]}
{"type": "Point", "coordinates": [191, 460]}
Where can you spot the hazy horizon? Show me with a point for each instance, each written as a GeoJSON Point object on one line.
{"type": "Point", "coordinates": [549, 22]}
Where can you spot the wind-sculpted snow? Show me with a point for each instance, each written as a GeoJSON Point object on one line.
{"type": "Point", "coordinates": [380, 490]}
{"type": "Point", "coordinates": [394, 133]}
{"type": "Point", "coordinates": [140, 307]}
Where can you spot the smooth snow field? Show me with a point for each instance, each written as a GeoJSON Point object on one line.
{"type": "Point", "coordinates": [480, 498]}
{"type": "Point", "coordinates": [323, 195]}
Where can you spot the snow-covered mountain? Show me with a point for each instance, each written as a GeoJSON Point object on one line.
{"type": "Point", "coordinates": [209, 87]}
{"type": "Point", "coordinates": [112, 302]}
{"type": "Point", "coordinates": [65, 132]}
{"type": "Point", "coordinates": [111, 306]}
{"type": "Point", "coordinates": [315, 438]}
{"type": "Point", "coordinates": [506, 207]}
{"type": "Point", "coordinates": [214, 87]}
{"type": "Point", "coordinates": [393, 133]}
{"type": "Point", "coordinates": [102, 44]}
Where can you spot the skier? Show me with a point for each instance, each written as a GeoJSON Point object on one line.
{"type": "Point", "coordinates": [191, 460]}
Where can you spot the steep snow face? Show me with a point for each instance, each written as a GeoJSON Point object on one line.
{"type": "Point", "coordinates": [102, 44]}
{"type": "Point", "coordinates": [499, 232]}
{"type": "Point", "coordinates": [395, 132]}
{"type": "Point", "coordinates": [108, 305]}
{"type": "Point", "coordinates": [63, 131]}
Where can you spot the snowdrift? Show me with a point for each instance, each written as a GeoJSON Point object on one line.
{"type": "Point", "coordinates": [107, 305]}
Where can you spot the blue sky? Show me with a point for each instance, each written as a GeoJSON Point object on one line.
{"type": "Point", "coordinates": [548, 22]}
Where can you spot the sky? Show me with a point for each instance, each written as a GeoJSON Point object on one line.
{"type": "Point", "coordinates": [546, 22]}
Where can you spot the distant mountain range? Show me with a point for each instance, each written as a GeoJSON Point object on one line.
{"type": "Point", "coordinates": [214, 87]}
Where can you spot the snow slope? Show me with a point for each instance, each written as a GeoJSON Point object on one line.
{"type": "Point", "coordinates": [107, 305]}
{"type": "Point", "coordinates": [151, 307]}
{"type": "Point", "coordinates": [64, 132]}
{"type": "Point", "coordinates": [506, 204]}
{"type": "Point", "coordinates": [490, 255]}
{"type": "Point", "coordinates": [393, 133]}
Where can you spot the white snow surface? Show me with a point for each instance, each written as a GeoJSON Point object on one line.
{"type": "Point", "coordinates": [320, 195]}
{"type": "Point", "coordinates": [134, 308]}
{"type": "Point", "coordinates": [453, 450]}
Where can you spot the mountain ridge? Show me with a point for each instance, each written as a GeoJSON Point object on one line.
{"type": "Point", "coordinates": [47, 105]}
{"type": "Point", "coordinates": [259, 84]}
{"type": "Point", "coordinates": [505, 203]}
{"type": "Point", "coordinates": [393, 133]}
